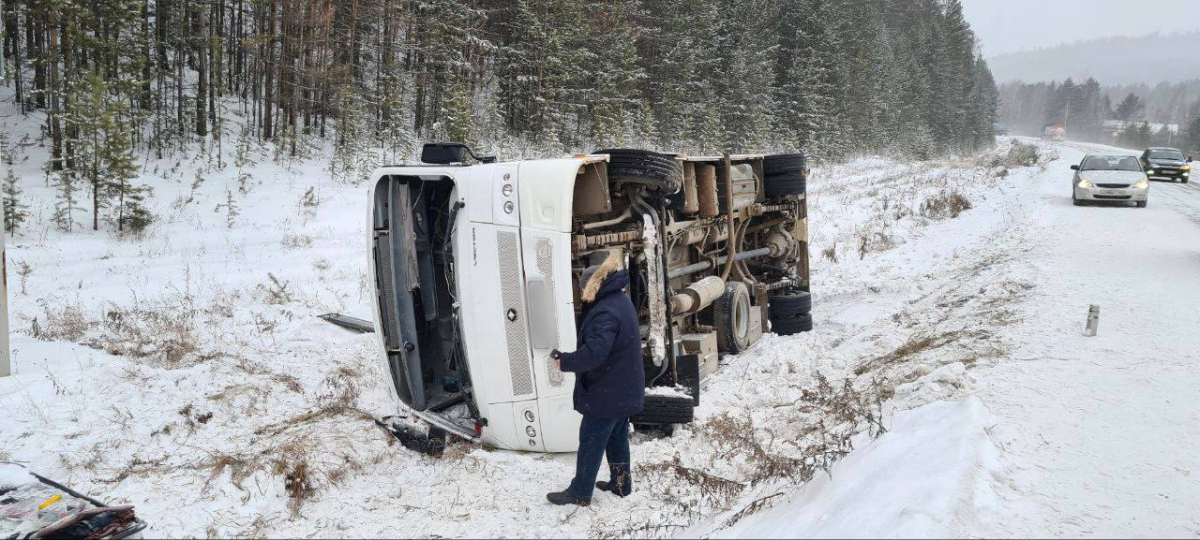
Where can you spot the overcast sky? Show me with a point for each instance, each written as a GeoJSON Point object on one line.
{"type": "Point", "coordinates": [1006, 26]}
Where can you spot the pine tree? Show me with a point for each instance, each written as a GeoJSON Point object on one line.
{"type": "Point", "coordinates": [120, 169]}
{"type": "Point", "coordinates": [14, 210]}
{"type": "Point", "coordinates": [543, 69]}
{"type": "Point", "coordinates": [66, 203]}
{"type": "Point", "coordinates": [862, 47]}
{"type": "Point", "coordinates": [745, 96]}
{"type": "Point", "coordinates": [1130, 108]}
{"type": "Point", "coordinates": [614, 73]}
{"type": "Point", "coordinates": [808, 81]}
{"type": "Point", "coordinates": [983, 106]}
{"type": "Point", "coordinates": [458, 120]}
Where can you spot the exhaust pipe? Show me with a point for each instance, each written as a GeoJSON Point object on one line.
{"type": "Point", "coordinates": [698, 295]}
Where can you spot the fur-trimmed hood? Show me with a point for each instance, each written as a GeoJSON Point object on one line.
{"type": "Point", "coordinates": [609, 277]}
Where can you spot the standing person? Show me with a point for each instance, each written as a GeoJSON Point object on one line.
{"type": "Point", "coordinates": [610, 381]}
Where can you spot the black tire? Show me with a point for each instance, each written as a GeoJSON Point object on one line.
{"type": "Point", "coordinates": [792, 325]}
{"type": "Point", "coordinates": [1141, 204]}
{"type": "Point", "coordinates": [661, 172]}
{"type": "Point", "coordinates": [661, 410]}
{"type": "Point", "coordinates": [776, 186]}
{"type": "Point", "coordinates": [780, 164]}
{"type": "Point", "coordinates": [790, 303]}
{"type": "Point", "coordinates": [732, 317]}
{"type": "Point", "coordinates": [1076, 202]}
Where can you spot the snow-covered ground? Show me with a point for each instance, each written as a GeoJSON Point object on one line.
{"type": "Point", "coordinates": [186, 372]}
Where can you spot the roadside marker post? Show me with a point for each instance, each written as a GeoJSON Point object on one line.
{"type": "Point", "coordinates": [1093, 321]}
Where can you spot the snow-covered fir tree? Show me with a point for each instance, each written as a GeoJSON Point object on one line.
{"type": "Point", "coordinates": [378, 77]}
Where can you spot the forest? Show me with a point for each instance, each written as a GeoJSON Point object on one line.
{"type": "Point", "coordinates": [369, 80]}
{"type": "Point", "coordinates": [1135, 116]}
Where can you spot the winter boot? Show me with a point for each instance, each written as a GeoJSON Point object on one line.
{"type": "Point", "coordinates": [603, 485]}
{"type": "Point", "coordinates": [562, 497]}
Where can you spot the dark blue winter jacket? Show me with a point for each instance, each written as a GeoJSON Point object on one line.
{"type": "Point", "coordinates": [610, 381]}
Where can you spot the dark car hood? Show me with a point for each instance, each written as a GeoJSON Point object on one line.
{"type": "Point", "coordinates": [1167, 162]}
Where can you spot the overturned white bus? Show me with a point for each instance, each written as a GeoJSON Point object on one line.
{"type": "Point", "coordinates": [476, 270]}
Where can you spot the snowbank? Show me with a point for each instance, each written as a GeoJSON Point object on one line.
{"type": "Point", "coordinates": [923, 478]}
{"type": "Point", "coordinates": [13, 475]}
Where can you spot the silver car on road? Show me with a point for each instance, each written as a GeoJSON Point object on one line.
{"type": "Point", "coordinates": [1110, 179]}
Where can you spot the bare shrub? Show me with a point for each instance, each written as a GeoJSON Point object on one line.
{"type": "Point", "coordinates": [719, 491]}
{"type": "Point", "coordinates": [24, 270]}
{"type": "Point", "coordinates": [293, 452]}
{"type": "Point", "coordinates": [874, 241]}
{"type": "Point", "coordinates": [309, 202]}
{"type": "Point", "coordinates": [945, 204]}
{"type": "Point", "coordinates": [340, 389]}
{"type": "Point", "coordinates": [1018, 155]}
{"type": "Point", "coordinates": [849, 407]}
{"type": "Point", "coordinates": [830, 253]}
{"type": "Point", "coordinates": [276, 291]}
{"type": "Point", "coordinates": [165, 337]}
{"type": "Point", "coordinates": [828, 416]}
{"type": "Point", "coordinates": [694, 491]}
{"type": "Point", "coordinates": [296, 481]}
{"type": "Point", "coordinates": [66, 323]}
{"type": "Point", "coordinates": [734, 437]}
{"type": "Point", "coordinates": [296, 241]}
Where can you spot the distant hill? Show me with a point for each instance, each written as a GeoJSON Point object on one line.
{"type": "Point", "coordinates": [1112, 61]}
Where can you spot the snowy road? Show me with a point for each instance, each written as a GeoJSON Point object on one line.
{"type": "Point", "coordinates": [1102, 433]}
{"type": "Point", "coordinates": [1179, 197]}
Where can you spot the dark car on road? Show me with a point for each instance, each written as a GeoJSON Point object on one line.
{"type": "Point", "coordinates": [1166, 164]}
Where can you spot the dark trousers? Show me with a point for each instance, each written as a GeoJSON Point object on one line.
{"type": "Point", "coordinates": [599, 437]}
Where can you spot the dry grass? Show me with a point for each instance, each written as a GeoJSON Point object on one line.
{"type": "Point", "coordinates": [719, 491]}
{"type": "Point", "coordinates": [301, 421]}
{"type": "Point", "coordinates": [62, 323]}
{"type": "Point", "coordinates": [920, 344]}
{"type": "Point", "coordinates": [163, 337]}
{"type": "Point", "coordinates": [275, 292]}
{"type": "Point", "coordinates": [830, 253]}
{"type": "Point", "coordinates": [872, 241]}
{"type": "Point", "coordinates": [138, 467]}
{"type": "Point", "coordinates": [302, 452]}
{"type": "Point", "coordinates": [163, 334]}
{"type": "Point", "coordinates": [828, 417]}
{"type": "Point", "coordinates": [1019, 155]}
{"type": "Point", "coordinates": [340, 388]}
{"type": "Point", "coordinates": [945, 204]}
{"type": "Point", "coordinates": [296, 241]}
